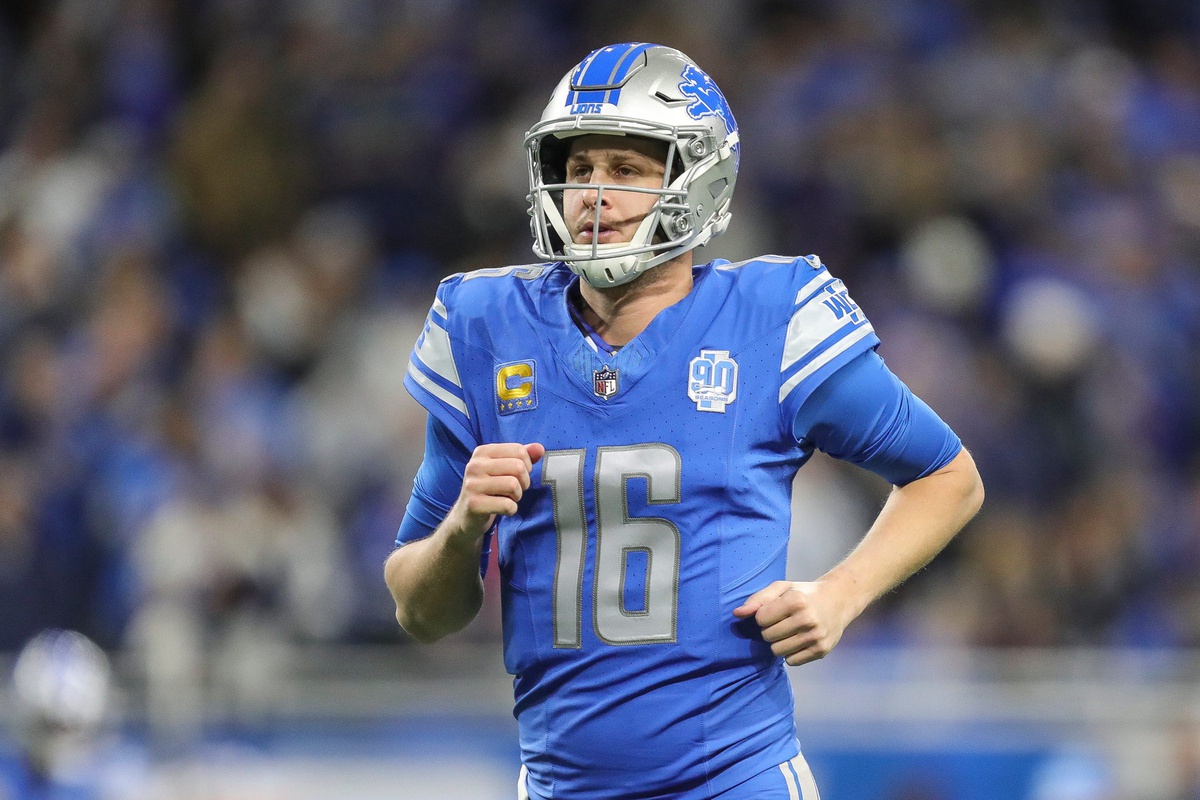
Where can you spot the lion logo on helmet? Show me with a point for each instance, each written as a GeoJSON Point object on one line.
{"type": "Point", "coordinates": [707, 99]}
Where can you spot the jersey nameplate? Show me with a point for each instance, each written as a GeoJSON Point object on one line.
{"type": "Point", "coordinates": [712, 380]}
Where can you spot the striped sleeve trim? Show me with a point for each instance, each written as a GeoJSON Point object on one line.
{"type": "Point", "coordinates": [429, 385]}
{"type": "Point", "coordinates": [812, 287]}
{"type": "Point", "coordinates": [825, 324]}
{"type": "Point", "coordinates": [811, 324]}
{"type": "Point", "coordinates": [439, 308]}
{"type": "Point", "coordinates": [434, 353]}
{"type": "Point", "coordinates": [827, 355]}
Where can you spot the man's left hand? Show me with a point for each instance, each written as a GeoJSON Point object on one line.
{"type": "Point", "coordinates": [802, 621]}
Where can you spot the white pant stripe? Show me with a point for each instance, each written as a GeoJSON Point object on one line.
{"type": "Point", "coordinates": [808, 784]}
{"type": "Point", "coordinates": [793, 792]}
{"type": "Point", "coordinates": [522, 792]}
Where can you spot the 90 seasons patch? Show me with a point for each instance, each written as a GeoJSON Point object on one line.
{"type": "Point", "coordinates": [712, 381]}
{"type": "Point", "coordinates": [516, 387]}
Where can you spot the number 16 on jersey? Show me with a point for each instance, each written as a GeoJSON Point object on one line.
{"type": "Point", "coordinates": [620, 539]}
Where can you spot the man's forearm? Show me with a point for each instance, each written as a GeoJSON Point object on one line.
{"type": "Point", "coordinates": [916, 523]}
{"type": "Point", "coordinates": [435, 581]}
{"type": "Point", "coordinates": [436, 585]}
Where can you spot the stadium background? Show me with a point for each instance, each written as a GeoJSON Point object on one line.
{"type": "Point", "coordinates": [221, 222]}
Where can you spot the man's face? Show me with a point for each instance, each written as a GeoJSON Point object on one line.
{"type": "Point", "coordinates": [619, 160]}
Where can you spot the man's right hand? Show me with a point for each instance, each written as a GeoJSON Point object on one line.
{"type": "Point", "coordinates": [494, 481]}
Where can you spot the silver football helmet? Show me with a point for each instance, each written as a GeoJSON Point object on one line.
{"type": "Point", "coordinates": [647, 90]}
{"type": "Point", "coordinates": [61, 685]}
{"type": "Point", "coordinates": [62, 676]}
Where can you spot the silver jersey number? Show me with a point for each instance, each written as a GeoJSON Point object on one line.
{"type": "Point", "coordinates": [618, 536]}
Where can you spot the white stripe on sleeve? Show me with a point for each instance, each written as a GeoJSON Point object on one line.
{"type": "Point", "coordinates": [811, 287]}
{"type": "Point", "coordinates": [437, 391]}
{"type": "Point", "coordinates": [833, 352]}
{"type": "Point", "coordinates": [812, 324]}
{"type": "Point", "coordinates": [434, 352]}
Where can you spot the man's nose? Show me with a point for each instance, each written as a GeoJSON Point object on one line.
{"type": "Point", "coordinates": [590, 197]}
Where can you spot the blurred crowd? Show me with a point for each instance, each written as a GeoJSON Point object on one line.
{"type": "Point", "coordinates": [221, 223]}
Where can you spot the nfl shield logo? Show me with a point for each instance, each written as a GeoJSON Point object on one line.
{"type": "Point", "coordinates": [604, 382]}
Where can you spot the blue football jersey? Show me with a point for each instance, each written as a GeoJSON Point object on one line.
{"type": "Point", "coordinates": [662, 503]}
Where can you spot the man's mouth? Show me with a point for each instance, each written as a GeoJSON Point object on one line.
{"type": "Point", "coordinates": [607, 234]}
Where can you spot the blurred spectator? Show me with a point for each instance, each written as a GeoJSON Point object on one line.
{"type": "Point", "coordinates": [241, 174]}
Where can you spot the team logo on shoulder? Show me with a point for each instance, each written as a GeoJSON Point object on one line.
{"type": "Point", "coordinates": [516, 387]}
{"type": "Point", "coordinates": [712, 380]}
{"type": "Point", "coordinates": [838, 301]}
{"type": "Point", "coordinates": [604, 382]}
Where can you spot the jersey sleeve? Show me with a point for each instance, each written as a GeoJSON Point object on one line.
{"type": "Point", "coordinates": [434, 379]}
{"type": "Point", "coordinates": [864, 414]}
{"type": "Point", "coordinates": [437, 483]}
{"type": "Point", "coordinates": [826, 330]}
{"type": "Point", "coordinates": [436, 487]}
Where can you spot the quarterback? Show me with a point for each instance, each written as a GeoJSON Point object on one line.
{"type": "Point", "coordinates": [624, 425]}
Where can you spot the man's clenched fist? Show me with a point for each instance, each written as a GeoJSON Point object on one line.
{"type": "Point", "coordinates": [494, 481]}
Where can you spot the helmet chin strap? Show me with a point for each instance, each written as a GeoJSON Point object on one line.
{"type": "Point", "coordinates": [614, 270]}
{"type": "Point", "coordinates": [597, 271]}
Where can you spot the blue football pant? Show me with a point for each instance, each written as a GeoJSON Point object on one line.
{"type": "Point", "coordinates": [791, 780]}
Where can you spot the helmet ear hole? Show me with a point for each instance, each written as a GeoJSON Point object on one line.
{"type": "Point", "coordinates": [553, 158]}
{"type": "Point", "coordinates": [675, 168]}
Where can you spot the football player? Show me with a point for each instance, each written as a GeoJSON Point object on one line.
{"type": "Point", "coordinates": [624, 425]}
